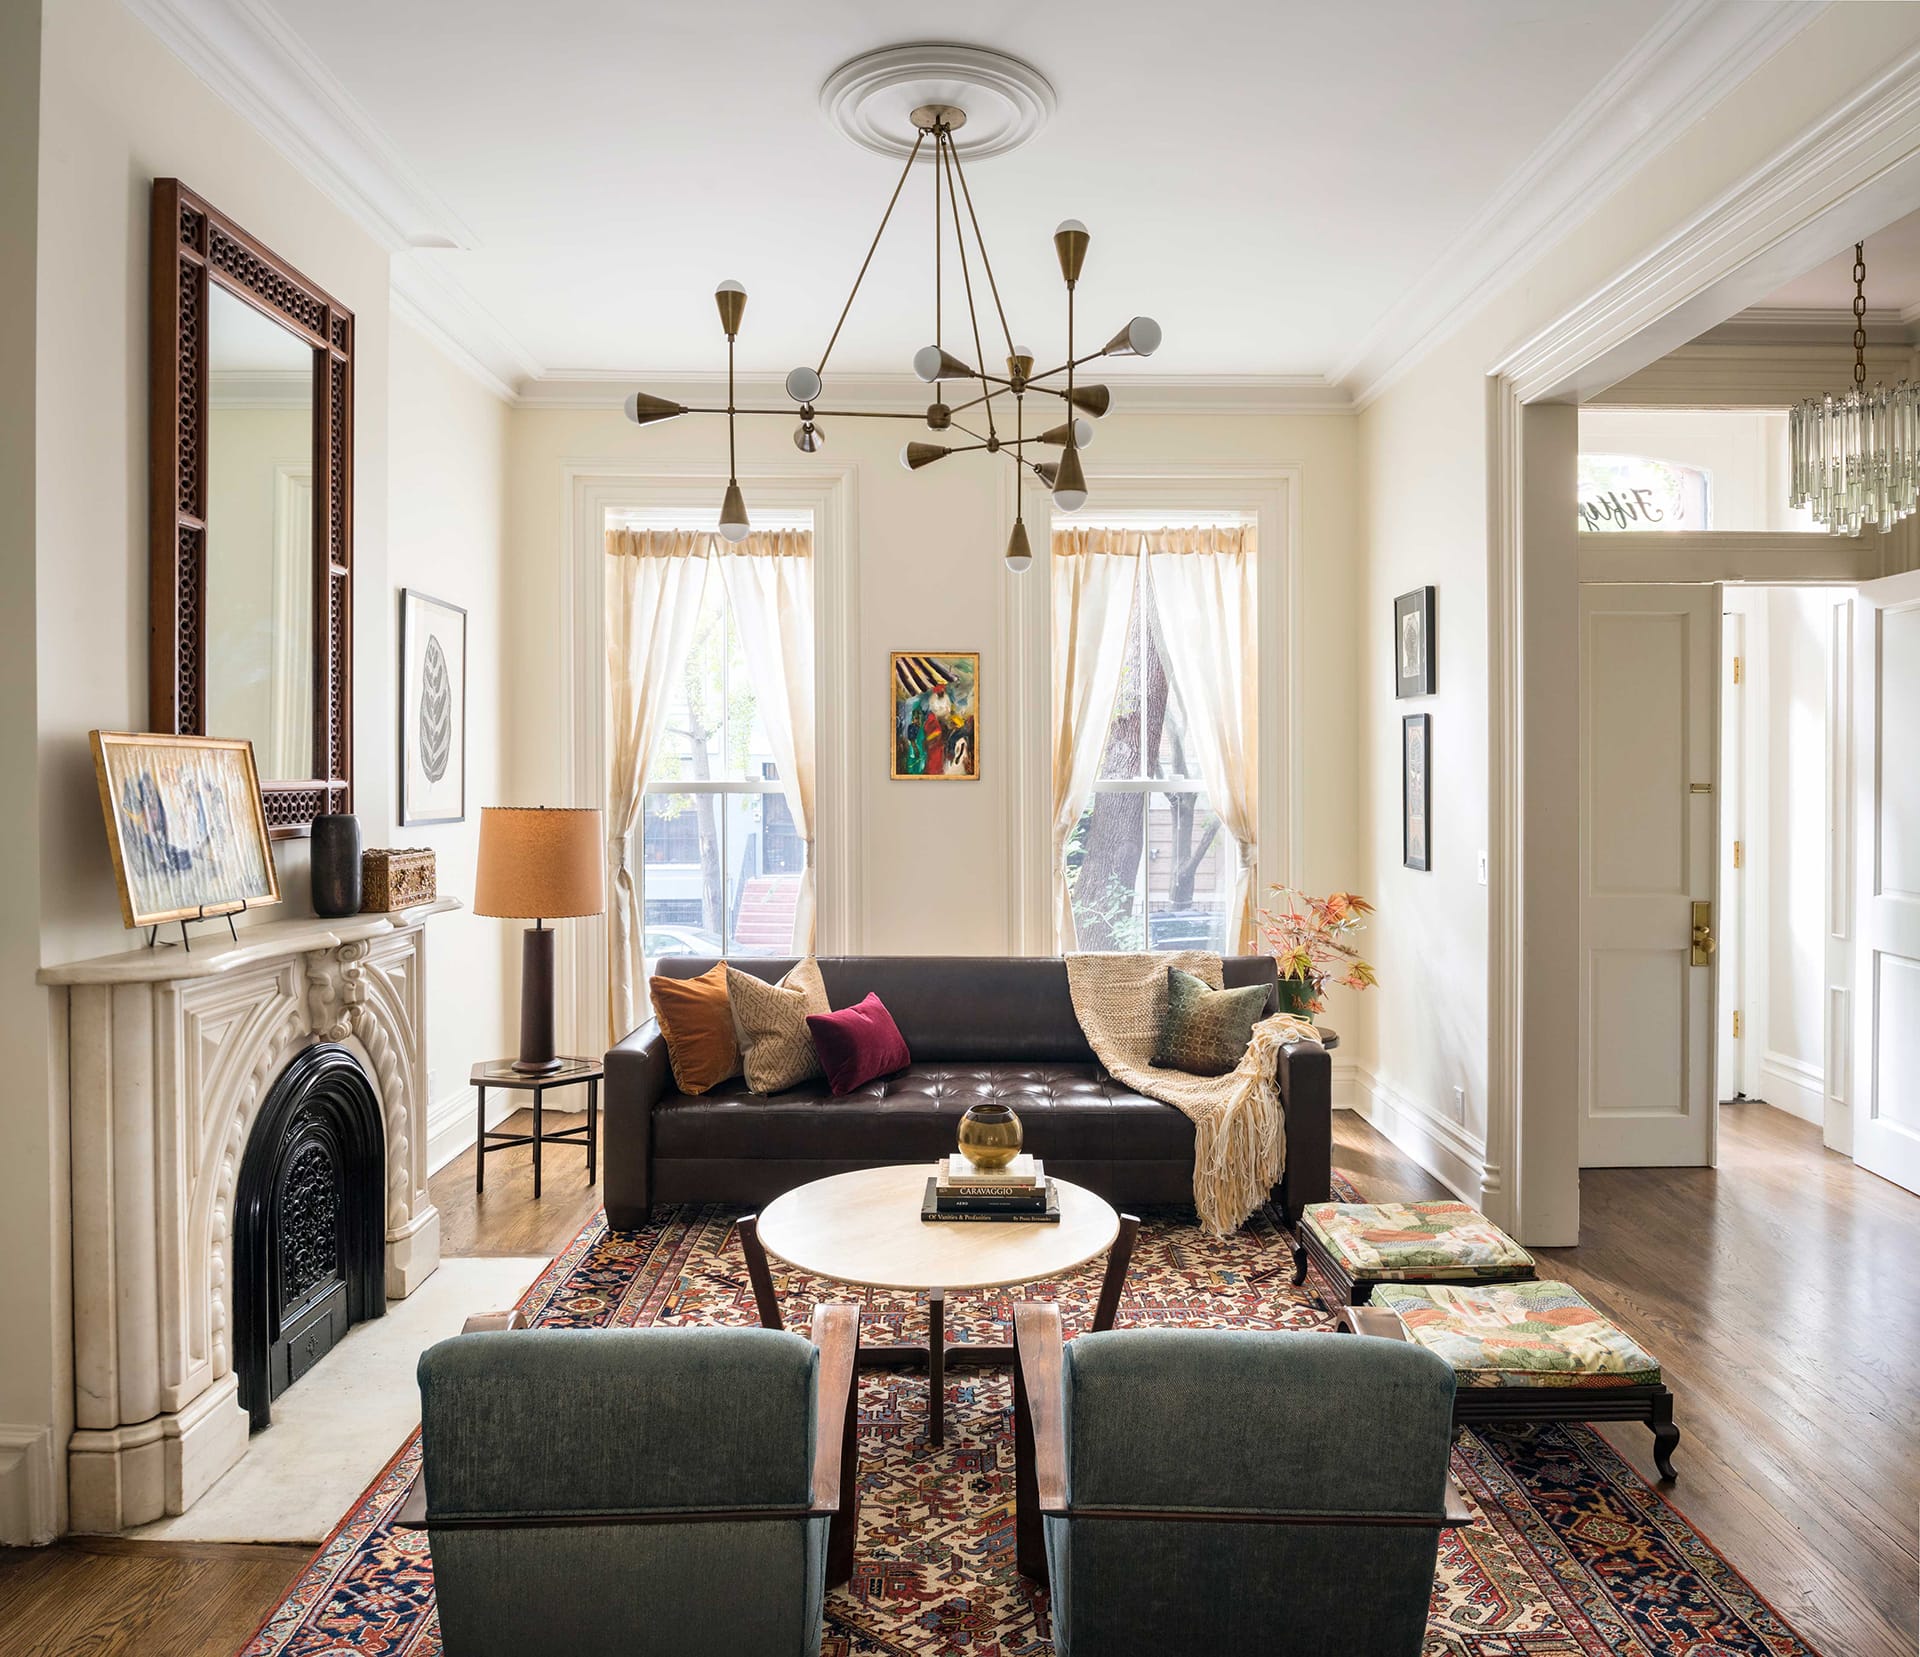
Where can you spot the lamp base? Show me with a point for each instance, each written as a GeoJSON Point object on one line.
{"type": "Point", "coordinates": [537, 1057]}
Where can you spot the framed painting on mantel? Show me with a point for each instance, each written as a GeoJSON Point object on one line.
{"type": "Point", "coordinates": [935, 699]}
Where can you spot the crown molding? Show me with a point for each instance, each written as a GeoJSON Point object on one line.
{"type": "Point", "coordinates": [260, 388]}
{"type": "Point", "coordinates": [1697, 53]}
{"type": "Point", "coordinates": [1821, 325]}
{"type": "Point", "coordinates": [907, 394]}
{"type": "Point", "coordinates": [250, 58]}
{"type": "Point", "coordinates": [434, 303]}
{"type": "Point", "coordinates": [1854, 169]}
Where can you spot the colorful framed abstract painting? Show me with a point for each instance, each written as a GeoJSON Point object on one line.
{"type": "Point", "coordinates": [433, 710]}
{"type": "Point", "coordinates": [935, 697]}
{"type": "Point", "coordinates": [185, 824]}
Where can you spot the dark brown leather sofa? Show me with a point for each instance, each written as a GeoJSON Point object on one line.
{"type": "Point", "coordinates": [979, 1028]}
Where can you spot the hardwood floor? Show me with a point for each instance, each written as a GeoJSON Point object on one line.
{"type": "Point", "coordinates": [1779, 1291]}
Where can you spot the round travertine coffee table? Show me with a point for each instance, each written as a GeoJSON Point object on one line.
{"type": "Point", "coordinates": [864, 1229]}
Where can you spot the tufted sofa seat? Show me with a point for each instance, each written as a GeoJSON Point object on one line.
{"type": "Point", "coordinates": [979, 1028]}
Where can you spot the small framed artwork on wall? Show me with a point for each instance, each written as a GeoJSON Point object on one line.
{"type": "Point", "coordinates": [433, 709]}
{"type": "Point", "coordinates": [935, 698]}
{"type": "Point", "coordinates": [1413, 643]}
{"type": "Point", "coordinates": [1416, 790]}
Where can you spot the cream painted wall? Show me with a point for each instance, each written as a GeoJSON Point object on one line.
{"type": "Point", "coordinates": [935, 860]}
{"type": "Point", "coordinates": [114, 109]}
{"type": "Point", "coordinates": [447, 471]}
{"type": "Point", "coordinates": [1426, 435]}
{"type": "Point", "coordinates": [33, 1398]}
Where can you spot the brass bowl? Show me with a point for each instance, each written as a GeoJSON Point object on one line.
{"type": "Point", "coordinates": [989, 1135]}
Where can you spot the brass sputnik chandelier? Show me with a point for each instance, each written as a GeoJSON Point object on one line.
{"type": "Point", "coordinates": [1856, 457]}
{"type": "Point", "coordinates": [988, 414]}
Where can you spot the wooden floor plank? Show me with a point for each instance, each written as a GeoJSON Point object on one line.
{"type": "Point", "coordinates": [1778, 1292]}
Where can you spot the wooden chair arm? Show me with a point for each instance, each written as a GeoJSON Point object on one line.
{"type": "Point", "coordinates": [836, 1332]}
{"type": "Point", "coordinates": [1042, 1352]}
{"type": "Point", "coordinates": [483, 1323]}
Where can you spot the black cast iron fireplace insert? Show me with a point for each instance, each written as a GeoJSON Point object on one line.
{"type": "Point", "coordinates": [309, 1231]}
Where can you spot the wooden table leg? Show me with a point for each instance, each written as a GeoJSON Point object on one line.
{"type": "Point", "coordinates": [759, 1275]}
{"type": "Point", "coordinates": [936, 1367]}
{"type": "Point", "coordinates": [480, 1146]}
{"type": "Point", "coordinates": [538, 1094]}
{"type": "Point", "coordinates": [1119, 1257]}
{"type": "Point", "coordinates": [1029, 1540]}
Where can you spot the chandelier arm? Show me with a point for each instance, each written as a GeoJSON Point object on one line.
{"type": "Point", "coordinates": [1077, 362]}
{"type": "Point", "coordinates": [819, 413]}
{"type": "Point", "coordinates": [945, 147]}
{"type": "Point", "coordinates": [980, 241]}
{"type": "Point", "coordinates": [872, 248]}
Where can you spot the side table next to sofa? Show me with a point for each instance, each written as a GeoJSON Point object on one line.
{"type": "Point", "coordinates": [571, 1073]}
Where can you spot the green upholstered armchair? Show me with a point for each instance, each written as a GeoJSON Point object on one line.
{"type": "Point", "coordinates": [1212, 1491]}
{"type": "Point", "coordinates": [635, 1491]}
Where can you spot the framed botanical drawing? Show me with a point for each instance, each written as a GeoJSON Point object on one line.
{"type": "Point", "coordinates": [1416, 790]}
{"type": "Point", "coordinates": [935, 699]}
{"type": "Point", "coordinates": [1413, 643]}
{"type": "Point", "coordinates": [186, 825]}
{"type": "Point", "coordinates": [433, 709]}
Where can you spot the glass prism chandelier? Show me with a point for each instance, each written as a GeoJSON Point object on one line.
{"type": "Point", "coordinates": [973, 409]}
{"type": "Point", "coordinates": [1856, 457]}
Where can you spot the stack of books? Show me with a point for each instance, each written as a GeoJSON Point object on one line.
{"type": "Point", "coordinates": [1019, 1191]}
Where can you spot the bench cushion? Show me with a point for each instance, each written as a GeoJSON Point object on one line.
{"type": "Point", "coordinates": [1067, 1111]}
{"type": "Point", "coordinates": [1391, 1242]}
{"type": "Point", "coordinates": [1520, 1335]}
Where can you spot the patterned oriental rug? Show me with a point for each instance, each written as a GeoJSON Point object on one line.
{"type": "Point", "coordinates": [1573, 1555]}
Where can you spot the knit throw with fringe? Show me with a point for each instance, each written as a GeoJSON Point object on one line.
{"type": "Point", "coordinates": [1239, 1134]}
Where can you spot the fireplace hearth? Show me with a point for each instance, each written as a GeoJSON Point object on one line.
{"type": "Point", "coordinates": [309, 1240]}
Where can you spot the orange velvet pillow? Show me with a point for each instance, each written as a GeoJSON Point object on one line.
{"type": "Point", "coordinates": [697, 1020]}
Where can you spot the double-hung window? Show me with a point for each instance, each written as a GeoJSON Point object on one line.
{"type": "Point", "coordinates": [1149, 865]}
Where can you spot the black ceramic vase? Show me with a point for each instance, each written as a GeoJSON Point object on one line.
{"type": "Point", "coordinates": [336, 864]}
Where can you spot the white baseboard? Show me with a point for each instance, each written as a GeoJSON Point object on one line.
{"type": "Point", "coordinates": [451, 1127]}
{"type": "Point", "coordinates": [1793, 1085]}
{"type": "Point", "coordinates": [29, 1514]}
{"type": "Point", "coordinates": [1440, 1145]}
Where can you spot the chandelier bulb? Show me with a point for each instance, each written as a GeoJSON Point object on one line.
{"type": "Point", "coordinates": [931, 363]}
{"type": "Point", "coordinates": [731, 299]}
{"type": "Point", "coordinates": [1070, 481]}
{"type": "Point", "coordinates": [733, 513]}
{"type": "Point", "coordinates": [808, 438]}
{"type": "Point", "coordinates": [1019, 549]}
{"type": "Point", "coordinates": [1140, 338]}
{"type": "Point", "coordinates": [803, 385]}
{"type": "Point", "coordinates": [1070, 240]}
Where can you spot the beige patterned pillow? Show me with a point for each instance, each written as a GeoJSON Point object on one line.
{"type": "Point", "coordinates": [776, 1047]}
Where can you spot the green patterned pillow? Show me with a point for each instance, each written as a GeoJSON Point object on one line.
{"type": "Point", "coordinates": [1206, 1031]}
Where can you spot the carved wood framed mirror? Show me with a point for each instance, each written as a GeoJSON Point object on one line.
{"type": "Point", "coordinates": [251, 532]}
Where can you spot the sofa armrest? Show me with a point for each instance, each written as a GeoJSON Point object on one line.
{"type": "Point", "coordinates": [1305, 1078]}
{"type": "Point", "coordinates": [638, 1075]}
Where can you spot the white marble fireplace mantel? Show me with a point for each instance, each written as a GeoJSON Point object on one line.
{"type": "Point", "coordinates": [171, 1053]}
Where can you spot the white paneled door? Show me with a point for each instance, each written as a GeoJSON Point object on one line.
{"type": "Point", "coordinates": [1649, 675]}
{"type": "Point", "coordinates": [1885, 1080]}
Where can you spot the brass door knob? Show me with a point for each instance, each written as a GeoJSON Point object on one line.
{"type": "Point", "coordinates": [1702, 933]}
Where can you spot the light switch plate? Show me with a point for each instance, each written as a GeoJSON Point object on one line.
{"type": "Point", "coordinates": [1460, 1104]}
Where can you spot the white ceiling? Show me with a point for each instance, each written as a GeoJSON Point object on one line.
{"type": "Point", "coordinates": [1297, 190]}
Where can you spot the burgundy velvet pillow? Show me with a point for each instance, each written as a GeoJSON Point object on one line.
{"type": "Point", "coordinates": [858, 1044]}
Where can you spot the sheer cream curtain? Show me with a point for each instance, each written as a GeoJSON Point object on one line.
{"type": "Point", "coordinates": [1092, 587]}
{"type": "Point", "coordinates": [1203, 586]}
{"type": "Point", "coordinates": [769, 579]}
{"type": "Point", "coordinates": [655, 579]}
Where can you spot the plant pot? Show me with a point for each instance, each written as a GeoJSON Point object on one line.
{"type": "Point", "coordinates": [1297, 997]}
{"type": "Point", "coordinates": [336, 864]}
{"type": "Point", "coordinates": [989, 1135]}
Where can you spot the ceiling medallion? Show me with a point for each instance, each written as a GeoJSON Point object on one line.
{"type": "Point", "coordinates": [1856, 457]}
{"type": "Point", "coordinates": [1000, 102]}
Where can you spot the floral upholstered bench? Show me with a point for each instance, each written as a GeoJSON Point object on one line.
{"type": "Point", "coordinates": [1356, 1246]}
{"type": "Point", "coordinates": [1527, 1352]}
